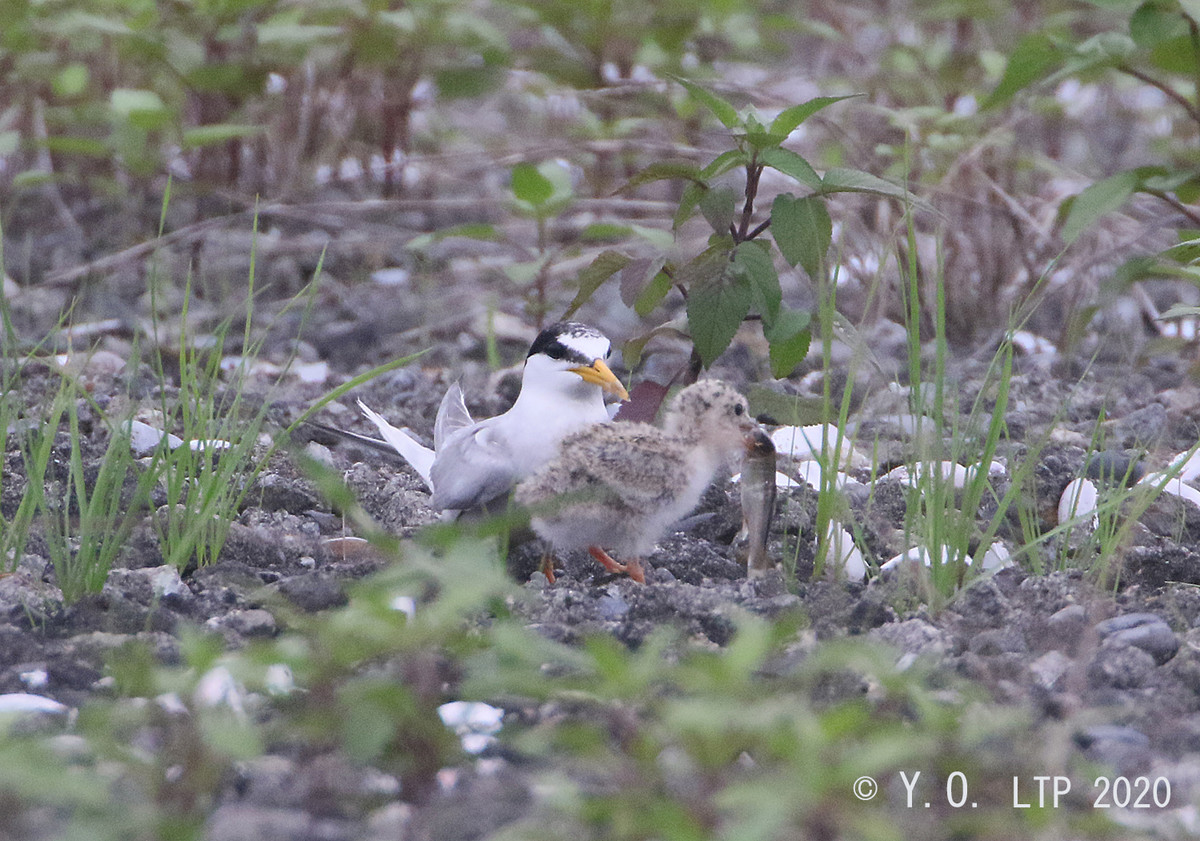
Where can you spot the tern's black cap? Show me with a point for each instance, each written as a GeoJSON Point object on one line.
{"type": "Point", "coordinates": [554, 341]}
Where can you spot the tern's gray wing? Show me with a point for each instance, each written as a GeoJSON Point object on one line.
{"type": "Point", "coordinates": [452, 415]}
{"type": "Point", "coordinates": [474, 466]}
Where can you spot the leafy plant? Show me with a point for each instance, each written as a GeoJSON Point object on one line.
{"type": "Point", "coordinates": [1161, 49]}
{"type": "Point", "coordinates": [735, 277]}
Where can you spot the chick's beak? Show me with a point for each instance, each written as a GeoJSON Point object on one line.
{"type": "Point", "coordinates": [757, 441]}
{"type": "Point", "coordinates": [599, 374]}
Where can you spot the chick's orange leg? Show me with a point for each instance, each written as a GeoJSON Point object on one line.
{"type": "Point", "coordinates": [633, 569]}
{"type": "Point", "coordinates": [547, 567]}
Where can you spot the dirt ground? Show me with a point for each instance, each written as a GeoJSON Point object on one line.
{"type": "Point", "coordinates": [1119, 664]}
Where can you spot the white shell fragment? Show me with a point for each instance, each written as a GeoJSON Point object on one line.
{"type": "Point", "coordinates": [219, 688]}
{"type": "Point", "coordinates": [1187, 464]}
{"type": "Point", "coordinates": [143, 438]}
{"type": "Point", "coordinates": [474, 722]}
{"type": "Point", "coordinates": [26, 702]}
{"type": "Point", "coordinates": [843, 556]}
{"type": "Point", "coordinates": [1032, 344]}
{"type": "Point", "coordinates": [804, 443]}
{"type": "Point", "coordinates": [279, 679]}
{"type": "Point", "coordinates": [1079, 499]}
{"type": "Point", "coordinates": [812, 473]}
{"type": "Point", "coordinates": [948, 471]}
{"type": "Point", "coordinates": [914, 555]}
{"type": "Point", "coordinates": [997, 557]}
{"type": "Point", "coordinates": [1174, 485]}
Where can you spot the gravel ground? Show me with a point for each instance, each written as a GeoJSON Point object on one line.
{"type": "Point", "coordinates": [1118, 663]}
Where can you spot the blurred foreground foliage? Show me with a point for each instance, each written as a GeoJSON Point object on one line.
{"type": "Point", "coordinates": [762, 739]}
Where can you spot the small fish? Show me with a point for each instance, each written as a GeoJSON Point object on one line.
{"type": "Point", "coordinates": [758, 504]}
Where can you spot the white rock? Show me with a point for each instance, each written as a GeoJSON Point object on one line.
{"type": "Point", "coordinates": [311, 372]}
{"type": "Point", "coordinates": [947, 471]}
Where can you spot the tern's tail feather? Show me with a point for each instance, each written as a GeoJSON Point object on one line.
{"type": "Point", "coordinates": [415, 453]}
{"type": "Point", "coordinates": [452, 415]}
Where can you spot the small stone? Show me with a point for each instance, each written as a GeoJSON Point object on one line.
{"type": "Point", "coordinates": [1141, 630]}
{"type": "Point", "coordinates": [997, 641]}
{"type": "Point", "coordinates": [1049, 669]}
{"type": "Point", "coordinates": [914, 636]}
{"type": "Point", "coordinates": [248, 623]}
{"type": "Point", "coordinates": [1122, 748]}
{"type": "Point", "coordinates": [237, 822]}
{"type": "Point", "coordinates": [612, 605]}
{"type": "Point", "coordinates": [1066, 624]}
{"type": "Point", "coordinates": [1120, 666]}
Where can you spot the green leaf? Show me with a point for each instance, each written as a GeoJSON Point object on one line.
{"type": "Point", "coordinates": [839, 180]}
{"type": "Point", "coordinates": [723, 110]}
{"type": "Point", "coordinates": [531, 186]}
{"type": "Point", "coordinates": [1098, 200]}
{"type": "Point", "coordinates": [803, 231]}
{"type": "Point", "coordinates": [789, 337]}
{"type": "Point", "coordinates": [637, 275]}
{"type": "Point", "coordinates": [71, 81]}
{"type": "Point", "coordinates": [468, 230]}
{"type": "Point", "coordinates": [526, 272]}
{"type": "Point", "coordinates": [1153, 23]}
{"type": "Point", "coordinates": [606, 264]}
{"type": "Point", "coordinates": [789, 119]}
{"type": "Point", "coordinates": [716, 308]}
{"type": "Point", "coordinates": [785, 408]}
{"type": "Point", "coordinates": [692, 194]}
{"type": "Point", "coordinates": [662, 171]}
{"type": "Point", "coordinates": [789, 163]}
{"type": "Point", "coordinates": [752, 260]}
{"type": "Point", "coordinates": [218, 133]}
{"type": "Point", "coordinates": [722, 163]}
{"type": "Point", "coordinates": [467, 81]}
{"type": "Point", "coordinates": [652, 295]}
{"type": "Point", "coordinates": [141, 108]}
{"type": "Point", "coordinates": [1030, 61]}
{"type": "Point", "coordinates": [717, 205]}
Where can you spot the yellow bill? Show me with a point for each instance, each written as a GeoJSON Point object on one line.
{"type": "Point", "coordinates": [600, 374]}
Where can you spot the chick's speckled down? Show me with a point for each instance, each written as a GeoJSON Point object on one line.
{"type": "Point", "coordinates": [619, 486]}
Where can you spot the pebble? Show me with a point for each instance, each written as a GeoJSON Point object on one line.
{"type": "Point", "coordinates": [236, 822]}
{"type": "Point", "coordinates": [1049, 669]}
{"type": "Point", "coordinates": [612, 604]}
{"type": "Point", "coordinates": [1120, 666]}
{"type": "Point", "coordinates": [1122, 748]}
{"type": "Point", "coordinates": [247, 623]}
{"type": "Point", "coordinates": [1141, 630]}
{"type": "Point", "coordinates": [997, 641]}
{"type": "Point", "coordinates": [1066, 624]}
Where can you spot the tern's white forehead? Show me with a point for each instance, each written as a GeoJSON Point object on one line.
{"type": "Point", "coordinates": [572, 342]}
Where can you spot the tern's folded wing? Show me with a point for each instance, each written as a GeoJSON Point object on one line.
{"type": "Point", "coordinates": [474, 467]}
